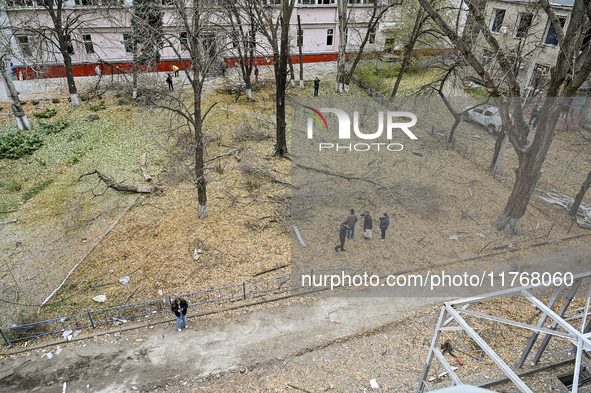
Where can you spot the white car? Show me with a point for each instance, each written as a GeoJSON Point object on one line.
{"type": "Point", "coordinates": [485, 115]}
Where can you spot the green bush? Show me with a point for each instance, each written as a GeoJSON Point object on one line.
{"type": "Point", "coordinates": [36, 190]}
{"type": "Point", "coordinates": [46, 114]}
{"type": "Point", "coordinates": [121, 101]}
{"type": "Point", "coordinates": [56, 100]}
{"type": "Point", "coordinates": [54, 127]}
{"type": "Point", "coordinates": [98, 107]}
{"type": "Point", "coordinates": [17, 144]}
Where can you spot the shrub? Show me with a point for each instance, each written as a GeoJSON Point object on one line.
{"type": "Point", "coordinates": [56, 100]}
{"type": "Point", "coordinates": [36, 190]}
{"type": "Point", "coordinates": [15, 145]}
{"type": "Point", "coordinates": [46, 114]}
{"type": "Point", "coordinates": [54, 127]}
{"type": "Point", "coordinates": [121, 101]}
{"type": "Point", "coordinates": [35, 102]}
{"type": "Point", "coordinates": [98, 107]}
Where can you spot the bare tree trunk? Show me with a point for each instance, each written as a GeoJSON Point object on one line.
{"type": "Point", "coordinates": [580, 195]}
{"type": "Point", "coordinates": [70, 79]}
{"type": "Point", "coordinates": [134, 78]}
{"type": "Point", "coordinates": [342, 56]}
{"type": "Point", "coordinates": [300, 44]}
{"type": "Point", "coordinates": [15, 103]}
{"type": "Point", "coordinates": [408, 49]}
{"type": "Point", "coordinates": [200, 178]}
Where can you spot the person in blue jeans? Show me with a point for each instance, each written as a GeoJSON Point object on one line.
{"type": "Point", "coordinates": [351, 221]}
{"type": "Point", "coordinates": [179, 308]}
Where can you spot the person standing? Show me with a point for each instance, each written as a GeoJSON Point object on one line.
{"type": "Point", "coordinates": [342, 237]}
{"type": "Point", "coordinates": [179, 308]}
{"type": "Point", "coordinates": [351, 221]}
{"type": "Point", "coordinates": [384, 223]}
{"type": "Point", "coordinates": [367, 225]}
{"type": "Point", "coordinates": [535, 116]}
{"type": "Point", "coordinates": [169, 81]}
{"type": "Point", "coordinates": [175, 69]}
{"type": "Point", "coordinates": [316, 86]}
{"type": "Point", "coordinates": [256, 73]}
{"type": "Point", "coordinates": [223, 67]}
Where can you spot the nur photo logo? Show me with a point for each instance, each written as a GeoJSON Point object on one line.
{"type": "Point", "coordinates": [391, 121]}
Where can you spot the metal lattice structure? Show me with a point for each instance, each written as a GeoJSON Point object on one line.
{"type": "Point", "coordinates": [570, 323]}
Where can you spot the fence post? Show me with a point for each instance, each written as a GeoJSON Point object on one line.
{"type": "Point", "coordinates": [244, 290]}
{"type": "Point", "coordinates": [571, 224]}
{"type": "Point", "coordinates": [9, 345]}
{"type": "Point", "coordinates": [552, 227]}
{"type": "Point", "coordinates": [91, 322]}
{"type": "Point", "coordinates": [432, 130]}
{"type": "Point", "coordinates": [495, 171]}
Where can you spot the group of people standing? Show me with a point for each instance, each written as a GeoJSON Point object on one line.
{"type": "Point", "coordinates": [347, 229]}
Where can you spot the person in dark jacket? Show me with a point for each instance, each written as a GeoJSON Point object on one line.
{"type": "Point", "coordinates": [316, 86]}
{"type": "Point", "coordinates": [367, 225]}
{"type": "Point", "coordinates": [384, 223]}
{"type": "Point", "coordinates": [169, 81]}
{"type": "Point", "coordinates": [351, 221]}
{"type": "Point", "coordinates": [342, 237]}
{"type": "Point", "coordinates": [179, 308]}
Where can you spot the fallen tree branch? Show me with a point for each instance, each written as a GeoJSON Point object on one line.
{"type": "Point", "coordinates": [238, 150]}
{"type": "Point", "coordinates": [111, 183]}
{"type": "Point", "coordinates": [8, 222]}
{"type": "Point", "coordinates": [350, 177]}
{"type": "Point", "coordinates": [269, 270]}
{"type": "Point", "coordinates": [88, 253]}
{"type": "Point", "coordinates": [129, 297]}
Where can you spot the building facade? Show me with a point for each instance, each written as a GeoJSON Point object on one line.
{"type": "Point", "coordinates": [100, 34]}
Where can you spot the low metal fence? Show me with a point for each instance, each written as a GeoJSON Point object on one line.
{"type": "Point", "coordinates": [206, 301]}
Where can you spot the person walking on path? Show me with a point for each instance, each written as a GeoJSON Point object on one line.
{"type": "Point", "coordinates": [351, 221]}
{"type": "Point", "coordinates": [367, 225]}
{"type": "Point", "coordinates": [342, 237]}
{"type": "Point", "coordinates": [223, 67]}
{"type": "Point", "coordinates": [169, 81]}
{"type": "Point", "coordinates": [316, 86]}
{"type": "Point", "coordinates": [256, 73]}
{"type": "Point", "coordinates": [175, 69]}
{"type": "Point", "coordinates": [384, 223]}
{"type": "Point", "coordinates": [179, 308]}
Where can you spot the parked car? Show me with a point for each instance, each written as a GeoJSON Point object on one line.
{"type": "Point", "coordinates": [487, 116]}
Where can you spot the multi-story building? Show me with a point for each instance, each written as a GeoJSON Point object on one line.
{"type": "Point", "coordinates": [525, 32]}
{"type": "Point", "coordinates": [102, 31]}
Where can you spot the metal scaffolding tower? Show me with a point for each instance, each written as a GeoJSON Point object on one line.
{"type": "Point", "coordinates": [568, 323]}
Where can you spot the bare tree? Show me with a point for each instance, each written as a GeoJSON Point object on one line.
{"type": "Point", "coordinates": [580, 195]}
{"type": "Point", "coordinates": [243, 27]}
{"type": "Point", "coordinates": [274, 25]}
{"type": "Point", "coordinates": [56, 24]}
{"type": "Point", "coordinates": [570, 71]}
{"type": "Point", "coordinates": [347, 16]}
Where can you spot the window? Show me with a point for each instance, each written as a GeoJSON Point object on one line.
{"type": "Point", "coordinates": [551, 32]}
{"type": "Point", "coordinates": [523, 24]}
{"type": "Point", "coordinates": [88, 45]}
{"type": "Point", "coordinates": [95, 2]}
{"type": "Point", "coordinates": [69, 44]}
{"type": "Point", "coordinates": [274, 2]}
{"type": "Point", "coordinates": [329, 36]}
{"type": "Point", "coordinates": [307, 2]}
{"type": "Point", "coordinates": [251, 42]}
{"type": "Point", "coordinates": [128, 43]}
{"type": "Point", "coordinates": [372, 36]}
{"type": "Point", "coordinates": [184, 40]}
{"type": "Point", "coordinates": [325, 2]}
{"type": "Point", "coordinates": [497, 20]}
{"type": "Point", "coordinates": [25, 45]}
